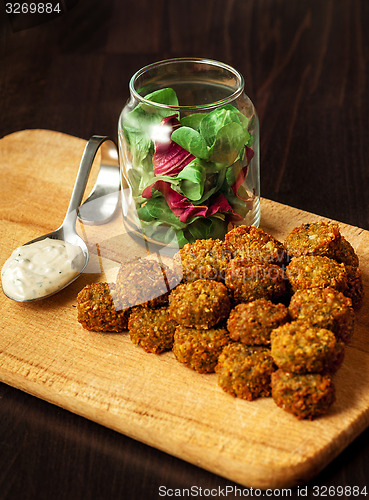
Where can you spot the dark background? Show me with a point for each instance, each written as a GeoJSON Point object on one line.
{"type": "Point", "coordinates": [306, 67]}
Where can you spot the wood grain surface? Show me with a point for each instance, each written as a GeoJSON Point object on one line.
{"type": "Point", "coordinates": [154, 399]}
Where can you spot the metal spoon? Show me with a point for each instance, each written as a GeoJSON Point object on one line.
{"type": "Point", "coordinates": [103, 200]}
{"type": "Point", "coordinates": [67, 231]}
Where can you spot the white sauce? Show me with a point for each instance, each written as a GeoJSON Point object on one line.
{"type": "Point", "coordinates": [40, 268]}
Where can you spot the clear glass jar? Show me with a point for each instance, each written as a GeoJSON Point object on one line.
{"type": "Point", "coordinates": [189, 152]}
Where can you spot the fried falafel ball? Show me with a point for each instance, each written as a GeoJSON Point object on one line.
{"type": "Point", "coordinates": [306, 396]}
{"type": "Point", "coordinates": [151, 329]}
{"type": "Point", "coordinates": [355, 288]}
{"type": "Point", "coordinates": [203, 259]}
{"type": "Point", "coordinates": [252, 323]}
{"type": "Point", "coordinates": [316, 238]}
{"type": "Point", "coordinates": [311, 271]}
{"type": "Point", "coordinates": [324, 308]}
{"type": "Point", "coordinates": [244, 371]}
{"type": "Point", "coordinates": [199, 304]}
{"type": "Point", "coordinates": [99, 308]}
{"type": "Point", "coordinates": [301, 348]}
{"type": "Point", "coordinates": [345, 253]}
{"type": "Point", "coordinates": [250, 281]}
{"type": "Point", "coordinates": [254, 245]}
{"type": "Point", "coordinates": [199, 349]}
{"type": "Point", "coordinates": [145, 282]}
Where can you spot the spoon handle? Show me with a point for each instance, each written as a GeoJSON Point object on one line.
{"type": "Point", "coordinates": [103, 201]}
{"type": "Point", "coordinates": [88, 157]}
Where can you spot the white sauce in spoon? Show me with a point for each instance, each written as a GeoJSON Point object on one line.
{"type": "Point", "coordinates": [40, 268]}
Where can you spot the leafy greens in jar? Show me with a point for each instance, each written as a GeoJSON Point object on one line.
{"type": "Point", "coordinates": [187, 172]}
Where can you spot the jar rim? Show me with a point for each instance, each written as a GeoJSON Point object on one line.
{"type": "Point", "coordinates": [199, 60]}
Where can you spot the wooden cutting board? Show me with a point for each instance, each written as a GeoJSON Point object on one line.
{"type": "Point", "coordinates": [153, 398]}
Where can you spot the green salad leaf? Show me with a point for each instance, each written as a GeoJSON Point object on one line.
{"type": "Point", "coordinates": [214, 121]}
{"type": "Point", "coordinates": [192, 121]}
{"type": "Point", "coordinates": [192, 179]}
{"type": "Point", "coordinates": [192, 141]}
{"type": "Point", "coordinates": [138, 123]}
{"type": "Point", "coordinates": [158, 209]}
{"type": "Point", "coordinates": [206, 227]}
{"type": "Point", "coordinates": [165, 96]}
{"type": "Point", "coordinates": [229, 141]}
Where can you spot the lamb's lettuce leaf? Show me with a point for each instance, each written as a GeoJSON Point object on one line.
{"type": "Point", "coordinates": [228, 143]}
{"type": "Point", "coordinates": [165, 96]}
{"type": "Point", "coordinates": [193, 178]}
{"type": "Point", "coordinates": [214, 121]}
{"type": "Point", "coordinates": [139, 122]}
{"type": "Point", "coordinates": [193, 120]}
{"type": "Point", "coordinates": [192, 141]}
{"type": "Point", "coordinates": [207, 227]}
{"type": "Point", "coordinates": [158, 209]}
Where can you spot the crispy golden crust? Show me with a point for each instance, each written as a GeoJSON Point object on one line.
{"type": "Point", "coordinates": [311, 271]}
{"type": "Point", "coordinates": [200, 304]}
{"type": "Point", "coordinates": [151, 329]}
{"type": "Point", "coordinates": [245, 372]}
{"type": "Point", "coordinates": [344, 252]}
{"type": "Point", "coordinates": [316, 238]}
{"type": "Point", "coordinates": [301, 348]}
{"type": "Point", "coordinates": [254, 245]}
{"type": "Point", "coordinates": [251, 323]}
{"type": "Point", "coordinates": [99, 309]}
{"type": "Point", "coordinates": [203, 259]}
{"type": "Point", "coordinates": [355, 288]}
{"type": "Point", "coordinates": [145, 282]}
{"type": "Point", "coordinates": [199, 349]}
{"type": "Point", "coordinates": [305, 396]}
{"type": "Point", "coordinates": [251, 281]}
{"type": "Point", "coordinates": [324, 308]}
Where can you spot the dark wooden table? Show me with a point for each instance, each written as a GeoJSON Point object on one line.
{"type": "Point", "coordinates": [306, 66]}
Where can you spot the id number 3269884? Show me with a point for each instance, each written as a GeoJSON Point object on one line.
{"type": "Point", "coordinates": [33, 8]}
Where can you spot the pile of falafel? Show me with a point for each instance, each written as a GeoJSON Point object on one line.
{"type": "Point", "coordinates": [271, 318]}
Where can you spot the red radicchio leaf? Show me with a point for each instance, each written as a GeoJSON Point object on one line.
{"type": "Point", "coordinates": [221, 204]}
{"type": "Point", "coordinates": [169, 157]}
{"type": "Point", "coordinates": [243, 173]}
{"type": "Point", "coordinates": [184, 209]}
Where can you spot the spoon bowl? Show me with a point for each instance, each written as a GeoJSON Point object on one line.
{"type": "Point", "coordinates": [67, 231]}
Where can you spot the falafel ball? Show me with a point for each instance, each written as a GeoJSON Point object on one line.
{"type": "Point", "coordinates": [315, 238]}
{"type": "Point", "coordinates": [252, 323]}
{"type": "Point", "coordinates": [250, 281]}
{"type": "Point", "coordinates": [199, 304]}
{"type": "Point", "coordinates": [306, 396]}
{"type": "Point", "coordinates": [253, 244]}
{"type": "Point", "coordinates": [355, 287]}
{"type": "Point", "coordinates": [344, 252]}
{"type": "Point", "coordinates": [244, 371]}
{"type": "Point", "coordinates": [311, 271]}
{"type": "Point", "coordinates": [203, 259]}
{"type": "Point", "coordinates": [145, 282]}
{"type": "Point", "coordinates": [298, 347]}
{"type": "Point", "coordinates": [99, 308]}
{"type": "Point", "coordinates": [324, 308]}
{"type": "Point", "coordinates": [199, 349]}
{"type": "Point", "coordinates": [151, 329]}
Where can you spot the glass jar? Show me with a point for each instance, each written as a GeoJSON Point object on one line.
{"type": "Point", "coordinates": [189, 152]}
